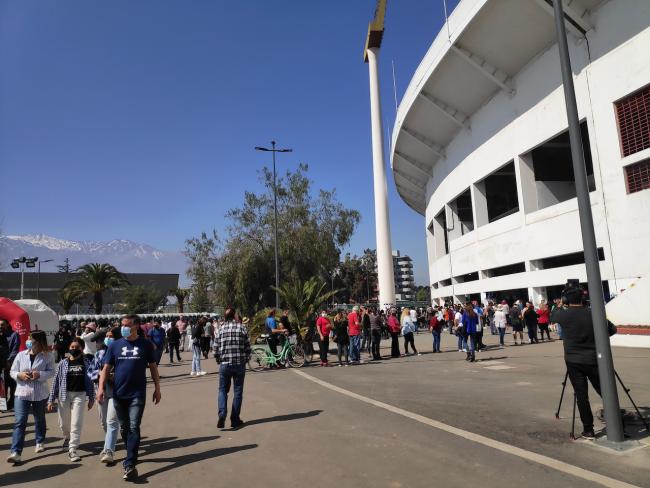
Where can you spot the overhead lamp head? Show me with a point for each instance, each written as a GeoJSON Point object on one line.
{"type": "Point", "coordinates": [30, 263]}
{"type": "Point", "coordinates": [258, 148]}
{"type": "Point", "coordinates": [15, 264]}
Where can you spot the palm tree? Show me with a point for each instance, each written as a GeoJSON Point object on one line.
{"type": "Point", "coordinates": [68, 298]}
{"type": "Point", "coordinates": [94, 279]}
{"type": "Point", "coordinates": [304, 299]}
{"type": "Point", "coordinates": [181, 295]}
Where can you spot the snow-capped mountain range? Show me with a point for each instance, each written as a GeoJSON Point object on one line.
{"type": "Point", "coordinates": [127, 256]}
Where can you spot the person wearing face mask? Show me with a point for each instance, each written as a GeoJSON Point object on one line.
{"type": "Point", "coordinates": [129, 358]}
{"type": "Point", "coordinates": [107, 413]}
{"type": "Point", "coordinates": [31, 370]}
{"type": "Point", "coordinates": [70, 387]}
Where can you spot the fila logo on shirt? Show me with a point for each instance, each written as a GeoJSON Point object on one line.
{"type": "Point", "coordinates": [133, 352]}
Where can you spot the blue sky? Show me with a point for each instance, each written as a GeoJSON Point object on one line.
{"type": "Point", "coordinates": [137, 119]}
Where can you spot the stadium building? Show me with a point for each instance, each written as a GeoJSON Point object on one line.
{"type": "Point", "coordinates": [480, 147]}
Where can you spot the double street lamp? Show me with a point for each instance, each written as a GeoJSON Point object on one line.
{"type": "Point", "coordinates": [23, 263]}
{"type": "Point", "coordinates": [273, 150]}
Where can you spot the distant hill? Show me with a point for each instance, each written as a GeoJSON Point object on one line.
{"type": "Point", "coordinates": [127, 256]}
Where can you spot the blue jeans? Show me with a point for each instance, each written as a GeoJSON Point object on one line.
{"type": "Point", "coordinates": [502, 334]}
{"type": "Point", "coordinates": [196, 358]}
{"type": "Point", "coordinates": [355, 348]}
{"type": "Point", "coordinates": [436, 341]}
{"type": "Point", "coordinates": [129, 413]}
{"type": "Point", "coordinates": [21, 411]}
{"type": "Point", "coordinates": [236, 374]}
{"type": "Point", "coordinates": [110, 422]}
{"type": "Point", "coordinates": [471, 342]}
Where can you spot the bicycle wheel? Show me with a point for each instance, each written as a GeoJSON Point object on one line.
{"type": "Point", "coordinates": [296, 356]}
{"type": "Point", "coordinates": [258, 360]}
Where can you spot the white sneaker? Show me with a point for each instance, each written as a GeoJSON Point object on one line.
{"type": "Point", "coordinates": [74, 457]}
{"type": "Point", "coordinates": [39, 448]}
{"type": "Point", "coordinates": [14, 458]}
{"type": "Point", "coordinates": [201, 373]}
{"type": "Point", "coordinates": [192, 373]}
{"type": "Point", "coordinates": [107, 457]}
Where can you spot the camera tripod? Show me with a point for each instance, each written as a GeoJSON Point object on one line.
{"type": "Point", "coordinates": [572, 435]}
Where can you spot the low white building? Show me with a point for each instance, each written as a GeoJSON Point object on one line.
{"type": "Point", "coordinates": [480, 147]}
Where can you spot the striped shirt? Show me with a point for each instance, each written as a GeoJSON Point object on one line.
{"type": "Point", "coordinates": [231, 344]}
{"type": "Point", "coordinates": [34, 391]}
{"type": "Point", "coordinates": [59, 388]}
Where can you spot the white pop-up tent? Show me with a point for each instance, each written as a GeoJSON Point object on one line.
{"type": "Point", "coordinates": [41, 317]}
{"type": "Point", "coordinates": [630, 307]}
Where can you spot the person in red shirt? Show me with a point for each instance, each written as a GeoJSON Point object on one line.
{"type": "Point", "coordinates": [324, 327]}
{"type": "Point", "coordinates": [394, 328]}
{"type": "Point", "coordinates": [543, 319]}
{"type": "Point", "coordinates": [354, 331]}
{"type": "Point", "coordinates": [435, 327]}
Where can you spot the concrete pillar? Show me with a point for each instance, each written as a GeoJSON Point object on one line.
{"type": "Point", "coordinates": [382, 223]}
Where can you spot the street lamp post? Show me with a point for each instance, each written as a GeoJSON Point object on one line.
{"type": "Point", "coordinates": [275, 218]}
{"type": "Point", "coordinates": [606, 371]}
{"type": "Point", "coordinates": [22, 263]}
{"type": "Point", "coordinates": [38, 278]}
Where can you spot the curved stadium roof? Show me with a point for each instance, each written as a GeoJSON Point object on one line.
{"type": "Point", "coordinates": [489, 42]}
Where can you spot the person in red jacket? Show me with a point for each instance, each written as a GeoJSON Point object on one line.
{"type": "Point", "coordinates": [543, 319]}
{"type": "Point", "coordinates": [324, 327]}
{"type": "Point", "coordinates": [394, 329]}
{"type": "Point", "coordinates": [435, 327]}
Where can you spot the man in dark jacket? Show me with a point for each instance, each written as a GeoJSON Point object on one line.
{"type": "Point", "coordinates": [580, 352]}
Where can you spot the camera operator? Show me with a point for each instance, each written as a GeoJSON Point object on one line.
{"type": "Point", "coordinates": [580, 350]}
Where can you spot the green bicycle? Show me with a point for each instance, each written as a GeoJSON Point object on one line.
{"type": "Point", "coordinates": [291, 354]}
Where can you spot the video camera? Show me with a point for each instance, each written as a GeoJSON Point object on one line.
{"type": "Point", "coordinates": [572, 287]}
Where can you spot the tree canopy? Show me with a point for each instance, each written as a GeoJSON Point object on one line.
{"type": "Point", "coordinates": [313, 227]}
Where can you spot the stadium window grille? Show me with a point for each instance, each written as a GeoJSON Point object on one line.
{"type": "Point", "coordinates": [637, 176]}
{"type": "Point", "coordinates": [633, 114]}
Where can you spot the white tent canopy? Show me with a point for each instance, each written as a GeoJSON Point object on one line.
{"type": "Point", "coordinates": [629, 308]}
{"type": "Point", "coordinates": [41, 317]}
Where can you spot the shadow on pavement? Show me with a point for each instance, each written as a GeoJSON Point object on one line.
{"type": "Point", "coordinates": [284, 418]}
{"type": "Point", "coordinates": [37, 473]}
{"type": "Point", "coordinates": [180, 461]}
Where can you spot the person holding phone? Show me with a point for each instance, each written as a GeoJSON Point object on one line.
{"type": "Point", "coordinates": [70, 387]}
{"type": "Point", "coordinates": [31, 370]}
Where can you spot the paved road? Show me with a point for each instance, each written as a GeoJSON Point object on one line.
{"type": "Point", "coordinates": [398, 431]}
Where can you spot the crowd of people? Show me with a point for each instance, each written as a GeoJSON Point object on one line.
{"type": "Point", "coordinates": [106, 363]}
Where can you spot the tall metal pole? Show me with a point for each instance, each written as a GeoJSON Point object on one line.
{"type": "Point", "coordinates": [38, 281]}
{"type": "Point", "coordinates": [275, 241]}
{"type": "Point", "coordinates": [22, 280]}
{"type": "Point", "coordinates": [609, 392]}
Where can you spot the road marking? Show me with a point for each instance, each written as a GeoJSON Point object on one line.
{"type": "Point", "coordinates": [479, 439]}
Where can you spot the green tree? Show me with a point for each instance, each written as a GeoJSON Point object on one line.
{"type": "Point", "coordinates": [95, 279]}
{"type": "Point", "coordinates": [423, 294]}
{"type": "Point", "coordinates": [181, 295]}
{"type": "Point", "coordinates": [303, 299]}
{"type": "Point", "coordinates": [65, 267]}
{"type": "Point", "coordinates": [68, 298]}
{"type": "Point", "coordinates": [142, 299]}
{"type": "Point", "coordinates": [202, 254]}
{"type": "Point", "coordinates": [313, 227]}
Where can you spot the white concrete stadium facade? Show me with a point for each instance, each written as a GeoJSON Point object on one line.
{"type": "Point", "coordinates": [487, 93]}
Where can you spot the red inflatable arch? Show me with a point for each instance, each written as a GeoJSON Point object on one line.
{"type": "Point", "coordinates": [17, 318]}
